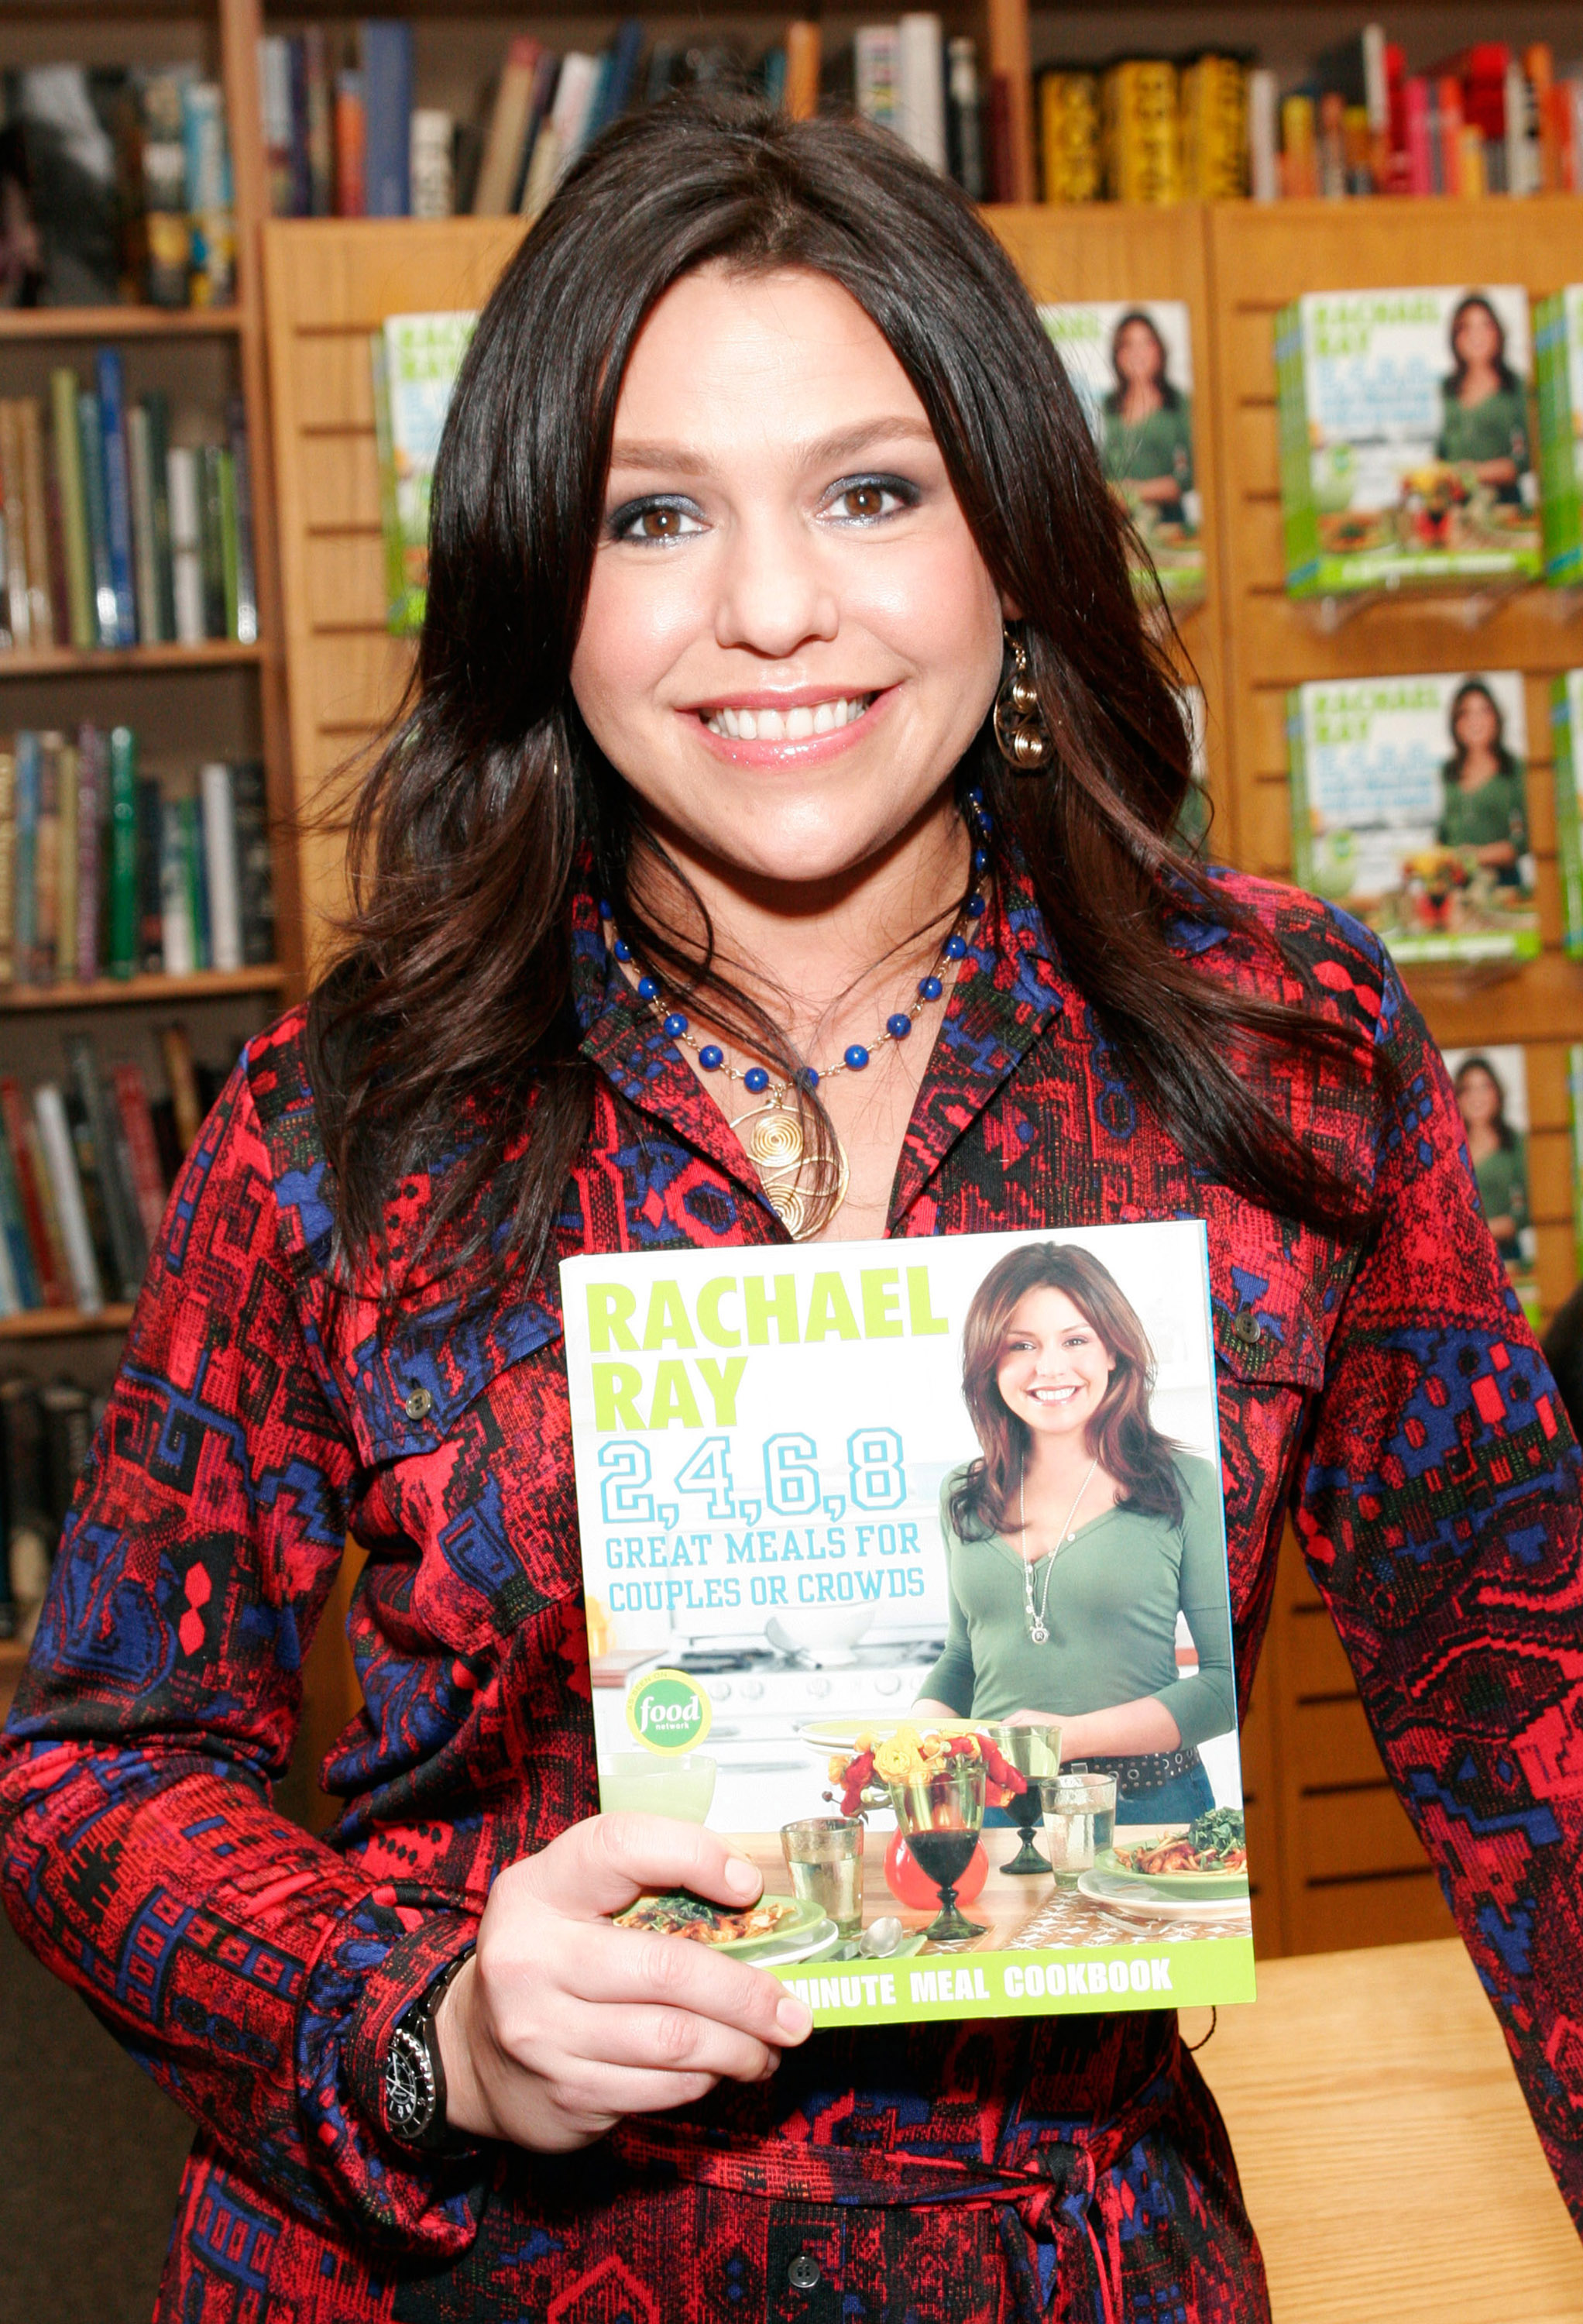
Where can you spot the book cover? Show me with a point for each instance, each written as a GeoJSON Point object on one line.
{"type": "Point", "coordinates": [350, 131]}
{"type": "Point", "coordinates": [12, 1302]}
{"type": "Point", "coordinates": [1412, 408]}
{"type": "Point", "coordinates": [1558, 348]}
{"type": "Point", "coordinates": [1566, 724]}
{"type": "Point", "coordinates": [1409, 809]}
{"type": "Point", "coordinates": [181, 1080]}
{"type": "Point", "coordinates": [920, 87]}
{"type": "Point", "coordinates": [1140, 113]}
{"type": "Point", "coordinates": [422, 356]}
{"type": "Point", "coordinates": [157, 409]}
{"type": "Point", "coordinates": [321, 153]}
{"type": "Point", "coordinates": [1071, 136]}
{"type": "Point", "coordinates": [19, 603]}
{"type": "Point", "coordinates": [26, 856]}
{"type": "Point", "coordinates": [230, 567]}
{"type": "Point", "coordinates": [68, 847]}
{"type": "Point", "coordinates": [255, 863]}
{"type": "Point", "coordinates": [55, 531]}
{"type": "Point", "coordinates": [386, 48]}
{"type": "Point", "coordinates": [112, 401]}
{"type": "Point", "coordinates": [795, 1555]}
{"type": "Point", "coordinates": [137, 1131]}
{"type": "Point", "coordinates": [60, 1154]}
{"type": "Point", "coordinates": [140, 478]}
{"type": "Point", "coordinates": [245, 623]}
{"type": "Point", "coordinates": [49, 1258]}
{"type": "Point", "coordinates": [151, 903]}
{"type": "Point", "coordinates": [95, 504]}
{"type": "Point", "coordinates": [964, 117]}
{"type": "Point", "coordinates": [7, 861]}
{"type": "Point", "coordinates": [1130, 366]}
{"type": "Point", "coordinates": [211, 278]}
{"type": "Point", "coordinates": [167, 234]}
{"type": "Point", "coordinates": [23, 1280]}
{"type": "Point", "coordinates": [66, 441]}
{"type": "Point", "coordinates": [1491, 1086]}
{"type": "Point", "coordinates": [221, 866]}
{"type": "Point", "coordinates": [178, 937]}
{"type": "Point", "coordinates": [195, 864]}
{"type": "Point", "coordinates": [124, 946]}
{"type": "Point", "coordinates": [1214, 129]}
{"type": "Point", "coordinates": [211, 539]}
{"type": "Point", "coordinates": [92, 803]}
{"type": "Point", "coordinates": [187, 577]}
{"type": "Point", "coordinates": [876, 71]}
{"type": "Point", "coordinates": [90, 1178]}
{"type": "Point", "coordinates": [499, 172]}
{"type": "Point", "coordinates": [47, 862]}
{"type": "Point", "coordinates": [118, 1194]}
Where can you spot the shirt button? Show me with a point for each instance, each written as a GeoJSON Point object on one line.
{"type": "Point", "coordinates": [420, 1404]}
{"type": "Point", "coordinates": [1245, 1328]}
{"type": "Point", "coordinates": [803, 2273]}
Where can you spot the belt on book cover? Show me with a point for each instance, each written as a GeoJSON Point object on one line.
{"type": "Point", "coordinates": [1142, 1771]}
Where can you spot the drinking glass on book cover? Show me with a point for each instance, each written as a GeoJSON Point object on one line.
{"type": "Point", "coordinates": [1080, 1822]}
{"type": "Point", "coordinates": [941, 1812]}
{"type": "Point", "coordinates": [824, 1857]}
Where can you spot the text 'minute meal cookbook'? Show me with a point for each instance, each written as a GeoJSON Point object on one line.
{"type": "Point", "coordinates": [800, 1477]}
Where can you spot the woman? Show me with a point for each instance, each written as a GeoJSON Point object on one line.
{"type": "Point", "coordinates": [768, 546]}
{"type": "Point", "coordinates": [1077, 1537]}
{"type": "Point", "coordinates": [1484, 419]}
{"type": "Point", "coordinates": [1484, 811]}
{"type": "Point", "coordinates": [1148, 421]}
{"type": "Point", "coordinates": [1500, 1164]}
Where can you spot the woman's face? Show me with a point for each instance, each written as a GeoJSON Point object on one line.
{"type": "Point", "coordinates": [1138, 355]}
{"type": "Point", "coordinates": [1479, 338]}
{"type": "Point", "coordinates": [1055, 1369]}
{"type": "Point", "coordinates": [1478, 1101]}
{"type": "Point", "coordinates": [1478, 728]}
{"type": "Point", "coordinates": [791, 637]}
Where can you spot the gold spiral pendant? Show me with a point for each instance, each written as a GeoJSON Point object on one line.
{"type": "Point", "coordinates": [778, 1150]}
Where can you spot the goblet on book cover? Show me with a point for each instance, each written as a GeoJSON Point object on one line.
{"type": "Point", "coordinates": [942, 1813]}
{"type": "Point", "coordinates": [1034, 1752]}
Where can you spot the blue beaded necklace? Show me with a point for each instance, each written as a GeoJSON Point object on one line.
{"type": "Point", "coordinates": [771, 1132]}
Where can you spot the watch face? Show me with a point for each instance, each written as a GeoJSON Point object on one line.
{"type": "Point", "coordinates": [408, 2085]}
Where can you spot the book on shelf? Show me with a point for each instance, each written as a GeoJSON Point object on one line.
{"type": "Point", "coordinates": [1558, 364]}
{"type": "Point", "coordinates": [1130, 366]}
{"type": "Point", "coordinates": [1409, 808]}
{"type": "Point", "coordinates": [135, 541]}
{"type": "Point", "coordinates": [62, 1163]}
{"type": "Point", "coordinates": [386, 46]}
{"type": "Point", "coordinates": [1405, 439]}
{"type": "Point", "coordinates": [415, 360]}
{"type": "Point", "coordinates": [1566, 722]}
{"type": "Point", "coordinates": [1490, 1083]}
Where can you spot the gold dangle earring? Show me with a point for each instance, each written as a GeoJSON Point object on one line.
{"type": "Point", "coordinates": [1020, 732]}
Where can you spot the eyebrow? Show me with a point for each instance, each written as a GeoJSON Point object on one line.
{"type": "Point", "coordinates": [633, 453]}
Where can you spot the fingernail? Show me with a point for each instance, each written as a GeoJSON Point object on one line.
{"type": "Point", "coordinates": [741, 1878]}
{"type": "Point", "coordinates": [794, 2018]}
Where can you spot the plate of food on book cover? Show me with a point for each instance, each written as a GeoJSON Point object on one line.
{"type": "Point", "coordinates": [754, 1933]}
{"type": "Point", "coordinates": [1130, 1901]}
{"type": "Point", "coordinates": [1206, 1861]}
{"type": "Point", "coordinates": [850, 1734]}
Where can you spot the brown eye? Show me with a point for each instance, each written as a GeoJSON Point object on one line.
{"type": "Point", "coordinates": [864, 500]}
{"type": "Point", "coordinates": [660, 523]}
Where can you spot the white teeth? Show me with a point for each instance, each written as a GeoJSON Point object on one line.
{"type": "Point", "coordinates": [796, 725]}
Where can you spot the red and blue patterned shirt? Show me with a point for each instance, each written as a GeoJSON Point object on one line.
{"type": "Point", "coordinates": [1383, 1388]}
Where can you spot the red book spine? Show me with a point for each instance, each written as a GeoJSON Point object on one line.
{"type": "Point", "coordinates": [1002, 171]}
{"type": "Point", "coordinates": [350, 142]}
{"type": "Point", "coordinates": [15, 1111]}
{"type": "Point", "coordinates": [137, 1125]}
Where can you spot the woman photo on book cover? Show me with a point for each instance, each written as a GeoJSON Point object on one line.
{"type": "Point", "coordinates": [1498, 1153]}
{"type": "Point", "coordinates": [773, 844]}
{"type": "Point", "coordinates": [1077, 1537]}
{"type": "Point", "coordinates": [1484, 419]}
{"type": "Point", "coordinates": [1484, 813]}
{"type": "Point", "coordinates": [1148, 421]}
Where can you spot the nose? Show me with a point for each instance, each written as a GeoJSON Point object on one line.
{"type": "Point", "coordinates": [776, 595]}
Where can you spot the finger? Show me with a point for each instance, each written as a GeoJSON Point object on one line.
{"type": "Point", "coordinates": [589, 2100]}
{"type": "Point", "coordinates": [603, 1866]}
{"type": "Point", "coordinates": [661, 2041]}
{"type": "Point", "coordinates": [629, 1969]}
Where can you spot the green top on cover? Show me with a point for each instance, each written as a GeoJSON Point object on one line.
{"type": "Point", "coordinates": [1495, 429]}
{"type": "Point", "coordinates": [1138, 451]}
{"type": "Point", "coordinates": [1115, 1592]}
{"type": "Point", "coordinates": [1483, 818]}
{"type": "Point", "coordinates": [1503, 1193]}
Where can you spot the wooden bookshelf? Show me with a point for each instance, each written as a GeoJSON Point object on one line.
{"type": "Point", "coordinates": [66, 1323]}
{"type": "Point", "coordinates": [120, 322]}
{"type": "Point", "coordinates": [150, 991]}
{"type": "Point", "coordinates": [97, 661]}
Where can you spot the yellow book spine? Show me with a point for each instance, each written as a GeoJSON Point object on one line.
{"type": "Point", "coordinates": [1069, 137]}
{"type": "Point", "coordinates": [1214, 130]}
{"type": "Point", "coordinates": [1143, 141]}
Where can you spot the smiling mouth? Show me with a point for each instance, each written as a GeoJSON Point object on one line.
{"type": "Point", "coordinates": [1051, 1394]}
{"type": "Point", "coordinates": [800, 724]}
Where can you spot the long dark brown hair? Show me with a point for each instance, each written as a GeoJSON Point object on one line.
{"type": "Point", "coordinates": [447, 1027]}
{"type": "Point", "coordinates": [1120, 1435]}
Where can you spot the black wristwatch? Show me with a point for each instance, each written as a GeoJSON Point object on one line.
{"type": "Point", "coordinates": [415, 2074]}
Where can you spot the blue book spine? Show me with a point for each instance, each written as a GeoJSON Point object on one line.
{"type": "Point", "coordinates": [387, 112]}
{"type": "Point", "coordinates": [112, 390]}
{"type": "Point", "coordinates": [619, 77]}
{"type": "Point", "coordinates": [15, 1226]}
{"type": "Point", "coordinates": [25, 859]}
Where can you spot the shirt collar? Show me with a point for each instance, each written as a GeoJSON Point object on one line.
{"type": "Point", "coordinates": [1006, 990]}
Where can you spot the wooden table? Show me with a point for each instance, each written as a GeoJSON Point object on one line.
{"type": "Point", "coordinates": [1389, 2162]}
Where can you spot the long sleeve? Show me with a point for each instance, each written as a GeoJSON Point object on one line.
{"type": "Point", "coordinates": [248, 1967]}
{"type": "Point", "coordinates": [1205, 1704]}
{"type": "Point", "coordinates": [1439, 1509]}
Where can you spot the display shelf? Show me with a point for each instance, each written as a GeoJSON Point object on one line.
{"type": "Point", "coordinates": [93, 661]}
{"type": "Point", "coordinates": [114, 991]}
{"type": "Point", "coordinates": [66, 1323]}
{"type": "Point", "coordinates": [119, 322]}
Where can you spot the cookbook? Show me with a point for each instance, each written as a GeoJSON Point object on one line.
{"type": "Point", "coordinates": [1409, 806]}
{"type": "Point", "coordinates": [977, 1783]}
{"type": "Point", "coordinates": [1130, 365]}
{"type": "Point", "coordinates": [1558, 363]}
{"type": "Point", "coordinates": [1406, 439]}
{"type": "Point", "coordinates": [415, 361]}
{"type": "Point", "coordinates": [1490, 1084]}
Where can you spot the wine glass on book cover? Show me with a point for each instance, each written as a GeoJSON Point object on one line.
{"type": "Point", "coordinates": [1034, 1752]}
{"type": "Point", "coordinates": [941, 1812]}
